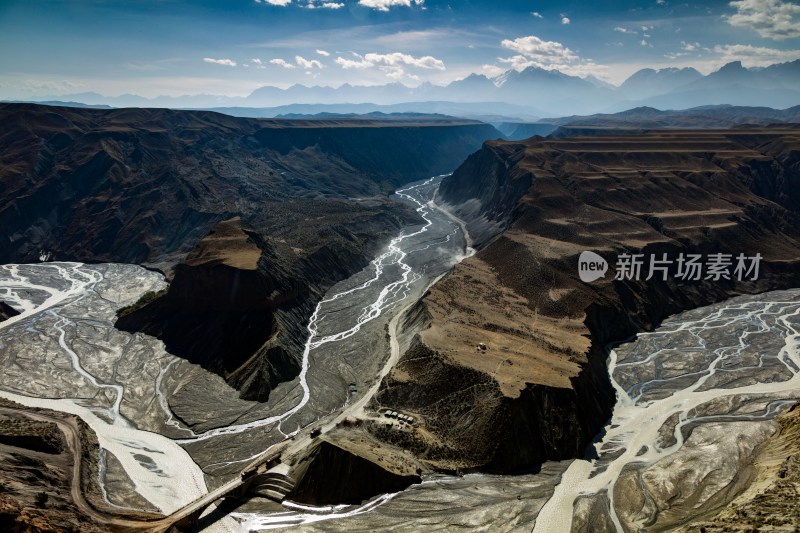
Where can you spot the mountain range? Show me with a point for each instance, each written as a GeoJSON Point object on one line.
{"type": "Point", "coordinates": [532, 91]}
{"type": "Point", "coordinates": [638, 119]}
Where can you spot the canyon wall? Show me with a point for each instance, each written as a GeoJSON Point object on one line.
{"type": "Point", "coordinates": [252, 219]}
{"type": "Point", "coordinates": [539, 390]}
{"type": "Point", "coordinates": [145, 185]}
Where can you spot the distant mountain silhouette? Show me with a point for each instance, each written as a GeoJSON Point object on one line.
{"type": "Point", "coordinates": [533, 91]}
{"type": "Point", "coordinates": [649, 82]}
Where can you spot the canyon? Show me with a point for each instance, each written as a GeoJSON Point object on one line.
{"type": "Point", "coordinates": [532, 207]}
{"type": "Point", "coordinates": [402, 352]}
{"type": "Point", "coordinates": [153, 187]}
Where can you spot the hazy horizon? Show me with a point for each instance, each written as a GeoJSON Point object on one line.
{"type": "Point", "coordinates": [229, 49]}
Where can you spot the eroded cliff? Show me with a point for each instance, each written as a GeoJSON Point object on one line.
{"type": "Point", "coordinates": [333, 474]}
{"type": "Point", "coordinates": [539, 390]}
{"type": "Point", "coordinates": [240, 302]}
{"type": "Point", "coordinates": [145, 185]}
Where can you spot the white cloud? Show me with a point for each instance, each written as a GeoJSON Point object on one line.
{"type": "Point", "coordinates": [398, 58]}
{"type": "Point", "coordinates": [520, 62]}
{"type": "Point", "coordinates": [754, 56]}
{"type": "Point", "coordinates": [397, 73]}
{"type": "Point", "coordinates": [307, 64]}
{"type": "Point", "coordinates": [316, 4]}
{"type": "Point", "coordinates": [226, 62]}
{"type": "Point", "coordinates": [394, 66]}
{"type": "Point", "coordinates": [773, 19]}
{"type": "Point", "coordinates": [686, 49]}
{"type": "Point", "coordinates": [492, 70]}
{"type": "Point", "coordinates": [539, 51]}
{"type": "Point", "coordinates": [300, 61]}
{"type": "Point", "coordinates": [384, 5]}
{"type": "Point", "coordinates": [281, 63]}
{"type": "Point", "coordinates": [548, 55]}
{"type": "Point", "coordinates": [537, 14]}
{"type": "Point", "coordinates": [323, 52]}
{"type": "Point", "coordinates": [620, 29]}
{"type": "Point", "coordinates": [281, 3]}
{"type": "Point", "coordinates": [352, 63]}
{"type": "Point", "coordinates": [661, 2]}
{"type": "Point", "coordinates": [395, 59]}
{"type": "Point", "coordinates": [565, 19]}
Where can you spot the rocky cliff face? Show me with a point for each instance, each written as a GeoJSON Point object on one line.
{"type": "Point", "coordinates": [309, 199]}
{"type": "Point", "coordinates": [221, 308]}
{"type": "Point", "coordinates": [240, 302]}
{"type": "Point", "coordinates": [145, 185]}
{"type": "Point", "coordinates": [539, 391]}
{"type": "Point", "coordinates": [331, 474]}
{"type": "Point", "coordinates": [6, 311]}
{"type": "Point", "coordinates": [484, 191]}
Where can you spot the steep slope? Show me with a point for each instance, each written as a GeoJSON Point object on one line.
{"type": "Point", "coordinates": [516, 131]}
{"type": "Point", "coordinates": [6, 311]}
{"type": "Point", "coordinates": [333, 474]}
{"type": "Point", "coordinates": [240, 302]}
{"type": "Point", "coordinates": [539, 389]}
{"type": "Point", "coordinates": [144, 185]}
{"type": "Point", "coordinates": [284, 208]}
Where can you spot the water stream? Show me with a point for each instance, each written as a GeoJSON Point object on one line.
{"type": "Point", "coordinates": [712, 368]}
{"type": "Point", "coordinates": [63, 353]}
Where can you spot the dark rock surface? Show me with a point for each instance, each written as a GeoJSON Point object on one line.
{"type": "Point", "coordinates": [145, 185]}
{"type": "Point", "coordinates": [238, 306]}
{"type": "Point", "coordinates": [334, 475]}
{"type": "Point", "coordinates": [6, 311]}
{"type": "Point", "coordinates": [540, 391]}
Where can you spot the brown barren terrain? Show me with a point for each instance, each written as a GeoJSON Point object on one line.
{"type": "Point", "coordinates": [540, 389]}
{"type": "Point", "coordinates": [770, 502]}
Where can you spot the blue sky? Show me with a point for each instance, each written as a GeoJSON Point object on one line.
{"type": "Point", "coordinates": [175, 47]}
